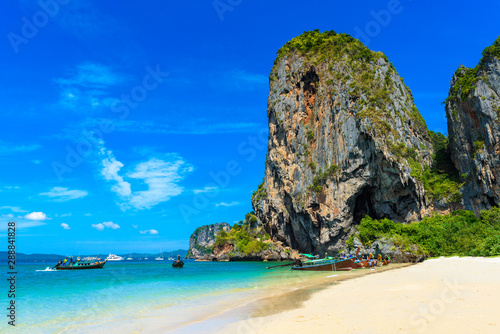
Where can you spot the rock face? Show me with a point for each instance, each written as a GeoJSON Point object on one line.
{"type": "Point", "coordinates": [202, 240]}
{"type": "Point", "coordinates": [344, 137]}
{"type": "Point", "coordinates": [473, 112]}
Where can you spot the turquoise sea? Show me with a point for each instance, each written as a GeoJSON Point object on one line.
{"type": "Point", "coordinates": [138, 297]}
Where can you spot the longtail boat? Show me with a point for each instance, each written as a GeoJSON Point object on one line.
{"type": "Point", "coordinates": [361, 263]}
{"type": "Point", "coordinates": [326, 264]}
{"type": "Point", "coordinates": [178, 263]}
{"type": "Point", "coordinates": [79, 265]}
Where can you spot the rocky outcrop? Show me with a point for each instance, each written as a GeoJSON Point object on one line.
{"type": "Point", "coordinates": [345, 141]}
{"type": "Point", "coordinates": [473, 113]}
{"type": "Point", "coordinates": [201, 242]}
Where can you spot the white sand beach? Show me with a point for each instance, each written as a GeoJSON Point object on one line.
{"type": "Point", "coordinates": [445, 295]}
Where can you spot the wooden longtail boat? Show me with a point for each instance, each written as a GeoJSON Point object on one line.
{"type": "Point", "coordinates": [80, 265]}
{"type": "Point", "coordinates": [178, 263]}
{"type": "Point", "coordinates": [328, 264]}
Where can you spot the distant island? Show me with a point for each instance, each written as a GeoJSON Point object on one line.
{"type": "Point", "coordinates": [350, 161]}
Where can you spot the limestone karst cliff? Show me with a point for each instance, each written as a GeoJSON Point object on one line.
{"type": "Point", "coordinates": [473, 113]}
{"type": "Point", "coordinates": [345, 141]}
{"type": "Point", "coordinates": [203, 239]}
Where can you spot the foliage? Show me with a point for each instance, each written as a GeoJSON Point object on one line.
{"type": "Point", "coordinates": [320, 180]}
{"type": "Point", "coordinates": [260, 193]}
{"type": "Point", "coordinates": [310, 136]}
{"type": "Point", "coordinates": [478, 146]}
{"type": "Point", "coordinates": [458, 233]}
{"type": "Point", "coordinates": [246, 237]}
{"type": "Point", "coordinates": [317, 43]}
{"type": "Point", "coordinates": [493, 50]}
{"type": "Point", "coordinates": [468, 77]}
{"type": "Point", "coordinates": [441, 180]}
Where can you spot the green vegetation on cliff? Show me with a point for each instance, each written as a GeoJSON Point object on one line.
{"type": "Point", "coordinates": [259, 194]}
{"type": "Point", "coordinates": [457, 233]}
{"type": "Point", "coordinates": [352, 65]}
{"type": "Point", "coordinates": [467, 78]}
{"type": "Point", "coordinates": [246, 236]}
{"type": "Point", "coordinates": [441, 180]}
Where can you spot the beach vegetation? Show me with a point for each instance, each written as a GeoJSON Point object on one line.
{"type": "Point", "coordinates": [247, 238]}
{"type": "Point", "coordinates": [458, 233]}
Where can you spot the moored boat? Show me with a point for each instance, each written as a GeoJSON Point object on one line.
{"type": "Point", "coordinates": [327, 264]}
{"type": "Point", "coordinates": [113, 257]}
{"type": "Point", "coordinates": [178, 263]}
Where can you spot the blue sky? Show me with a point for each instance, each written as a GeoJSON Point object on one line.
{"type": "Point", "coordinates": [126, 125]}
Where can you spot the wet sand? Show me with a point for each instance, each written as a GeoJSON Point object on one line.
{"type": "Point", "coordinates": [445, 295]}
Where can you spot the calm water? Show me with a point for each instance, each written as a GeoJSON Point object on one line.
{"type": "Point", "coordinates": [135, 294]}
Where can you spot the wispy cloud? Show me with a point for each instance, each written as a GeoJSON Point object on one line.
{"type": "Point", "coordinates": [227, 204]}
{"type": "Point", "coordinates": [6, 149]}
{"type": "Point", "coordinates": [87, 87]}
{"type": "Point", "coordinates": [149, 232]}
{"type": "Point", "coordinates": [198, 127]}
{"type": "Point", "coordinates": [12, 208]}
{"type": "Point", "coordinates": [36, 216]}
{"type": "Point", "coordinates": [205, 190]}
{"type": "Point", "coordinates": [60, 194]}
{"type": "Point", "coordinates": [160, 175]}
{"type": "Point", "coordinates": [252, 78]}
{"type": "Point", "coordinates": [102, 226]}
{"type": "Point", "coordinates": [65, 226]}
{"type": "Point", "coordinates": [110, 169]}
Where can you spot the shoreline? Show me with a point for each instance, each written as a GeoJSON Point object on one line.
{"type": "Point", "coordinates": [275, 300]}
{"type": "Point", "coordinates": [436, 296]}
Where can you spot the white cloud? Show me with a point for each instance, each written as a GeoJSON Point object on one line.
{"type": "Point", "coordinates": [36, 216]}
{"type": "Point", "coordinates": [160, 176]}
{"type": "Point", "coordinates": [36, 162]}
{"type": "Point", "coordinates": [98, 227]}
{"type": "Point", "coordinates": [134, 226]}
{"type": "Point", "coordinates": [110, 169]}
{"type": "Point", "coordinates": [111, 225]}
{"type": "Point", "coordinates": [87, 214]}
{"type": "Point", "coordinates": [149, 232]}
{"type": "Point", "coordinates": [65, 226]}
{"type": "Point", "coordinates": [9, 215]}
{"type": "Point", "coordinates": [205, 190]}
{"type": "Point", "coordinates": [60, 194]}
{"type": "Point", "coordinates": [102, 226]}
{"type": "Point", "coordinates": [227, 204]}
{"type": "Point", "coordinates": [65, 215]}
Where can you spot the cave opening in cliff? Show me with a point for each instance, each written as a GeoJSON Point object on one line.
{"type": "Point", "coordinates": [363, 205]}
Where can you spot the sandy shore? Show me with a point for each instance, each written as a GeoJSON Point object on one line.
{"type": "Point", "coordinates": [445, 295]}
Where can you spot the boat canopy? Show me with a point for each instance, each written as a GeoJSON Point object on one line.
{"type": "Point", "coordinates": [308, 255]}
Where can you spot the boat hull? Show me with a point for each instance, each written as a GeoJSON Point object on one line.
{"type": "Point", "coordinates": [360, 264]}
{"type": "Point", "coordinates": [342, 265]}
{"type": "Point", "coordinates": [178, 264]}
{"type": "Point", "coordinates": [81, 266]}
